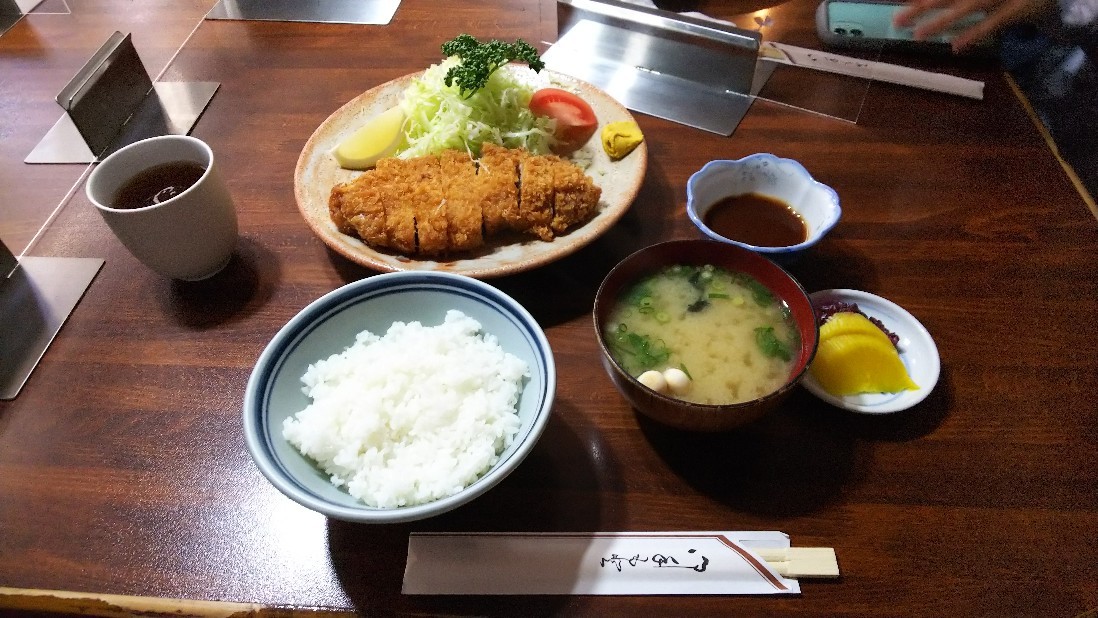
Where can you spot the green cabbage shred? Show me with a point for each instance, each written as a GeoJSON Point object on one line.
{"type": "Point", "coordinates": [440, 116]}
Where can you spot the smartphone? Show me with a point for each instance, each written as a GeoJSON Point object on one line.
{"type": "Point", "coordinates": [868, 23]}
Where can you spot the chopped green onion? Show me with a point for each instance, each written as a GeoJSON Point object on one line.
{"type": "Point", "coordinates": [637, 295]}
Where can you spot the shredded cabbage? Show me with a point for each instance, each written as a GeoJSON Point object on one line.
{"type": "Point", "coordinates": [438, 117]}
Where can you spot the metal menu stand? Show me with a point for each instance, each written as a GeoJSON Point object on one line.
{"type": "Point", "coordinates": [11, 11]}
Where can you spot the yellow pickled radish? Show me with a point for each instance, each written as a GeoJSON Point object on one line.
{"type": "Point", "coordinates": [859, 363]}
{"type": "Point", "coordinates": [378, 138]}
{"type": "Point", "coordinates": [847, 323]}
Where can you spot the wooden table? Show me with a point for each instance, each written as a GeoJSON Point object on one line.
{"type": "Point", "coordinates": [123, 468]}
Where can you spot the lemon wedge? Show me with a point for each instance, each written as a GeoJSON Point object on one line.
{"type": "Point", "coordinates": [377, 139]}
{"type": "Point", "coordinates": [854, 356]}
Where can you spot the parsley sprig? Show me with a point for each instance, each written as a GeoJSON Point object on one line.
{"type": "Point", "coordinates": [480, 60]}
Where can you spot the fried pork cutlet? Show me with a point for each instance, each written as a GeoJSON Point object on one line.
{"type": "Point", "coordinates": [400, 218]}
{"type": "Point", "coordinates": [423, 196]}
{"type": "Point", "coordinates": [438, 205]}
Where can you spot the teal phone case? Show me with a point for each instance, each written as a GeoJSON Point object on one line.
{"type": "Point", "coordinates": [868, 23]}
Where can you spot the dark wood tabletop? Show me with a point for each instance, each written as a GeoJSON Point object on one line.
{"type": "Point", "coordinates": [123, 467]}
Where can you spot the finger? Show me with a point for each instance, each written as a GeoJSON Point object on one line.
{"type": "Point", "coordinates": [907, 16]}
{"type": "Point", "coordinates": [970, 36]}
{"type": "Point", "coordinates": [1009, 13]}
{"type": "Point", "coordinates": [945, 19]}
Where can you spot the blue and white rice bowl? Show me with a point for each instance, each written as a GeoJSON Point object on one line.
{"type": "Point", "coordinates": [329, 325]}
{"type": "Point", "coordinates": [765, 174]}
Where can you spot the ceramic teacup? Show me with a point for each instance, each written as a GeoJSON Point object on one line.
{"type": "Point", "coordinates": [180, 231]}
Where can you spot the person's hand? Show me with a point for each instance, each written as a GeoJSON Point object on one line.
{"type": "Point", "coordinates": [1000, 14]}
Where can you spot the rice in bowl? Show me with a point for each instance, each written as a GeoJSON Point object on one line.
{"type": "Point", "coordinates": [413, 416]}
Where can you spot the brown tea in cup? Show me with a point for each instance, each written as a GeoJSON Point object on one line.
{"type": "Point", "coordinates": [157, 184]}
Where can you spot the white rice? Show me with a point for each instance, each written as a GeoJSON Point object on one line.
{"type": "Point", "coordinates": [413, 416]}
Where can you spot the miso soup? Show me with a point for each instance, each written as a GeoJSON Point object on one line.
{"type": "Point", "coordinates": [730, 334]}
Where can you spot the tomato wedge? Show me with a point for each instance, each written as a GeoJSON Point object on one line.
{"type": "Point", "coordinates": [576, 121]}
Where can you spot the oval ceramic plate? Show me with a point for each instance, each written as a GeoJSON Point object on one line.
{"type": "Point", "coordinates": [917, 351]}
{"type": "Point", "coordinates": [317, 172]}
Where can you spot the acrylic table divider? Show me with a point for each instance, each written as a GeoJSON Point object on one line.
{"type": "Point", "coordinates": [684, 69]}
{"type": "Point", "coordinates": [111, 102]}
{"type": "Point", "coordinates": [689, 68]}
{"type": "Point", "coordinates": [37, 295]}
{"type": "Point", "coordinates": [11, 11]}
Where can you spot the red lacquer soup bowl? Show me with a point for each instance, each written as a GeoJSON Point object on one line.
{"type": "Point", "coordinates": [679, 413]}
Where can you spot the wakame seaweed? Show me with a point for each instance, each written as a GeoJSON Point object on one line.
{"type": "Point", "coordinates": [697, 305]}
{"type": "Point", "coordinates": [637, 352]}
{"type": "Point", "coordinates": [770, 344]}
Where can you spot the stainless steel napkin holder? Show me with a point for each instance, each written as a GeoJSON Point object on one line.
{"type": "Point", "coordinates": [111, 102]}
{"type": "Point", "coordinates": [681, 68]}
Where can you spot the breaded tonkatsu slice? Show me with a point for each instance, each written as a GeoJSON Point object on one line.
{"type": "Point", "coordinates": [393, 178]}
{"type": "Point", "coordinates": [463, 200]}
{"type": "Point", "coordinates": [358, 207]}
{"type": "Point", "coordinates": [498, 180]}
{"type": "Point", "coordinates": [536, 196]}
{"type": "Point", "coordinates": [575, 196]}
{"type": "Point", "coordinates": [423, 196]}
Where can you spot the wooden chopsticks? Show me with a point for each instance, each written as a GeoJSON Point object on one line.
{"type": "Point", "coordinates": [797, 562]}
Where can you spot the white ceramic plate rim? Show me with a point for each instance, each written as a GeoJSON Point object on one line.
{"type": "Point", "coordinates": [917, 351]}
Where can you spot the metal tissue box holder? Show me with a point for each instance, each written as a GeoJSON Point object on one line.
{"type": "Point", "coordinates": [112, 102]}
{"type": "Point", "coordinates": [693, 71]}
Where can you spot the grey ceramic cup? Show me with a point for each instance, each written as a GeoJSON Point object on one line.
{"type": "Point", "coordinates": [190, 236]}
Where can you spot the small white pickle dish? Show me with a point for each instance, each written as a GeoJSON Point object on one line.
{"type": "Point", "coordinates": [917, 351]}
